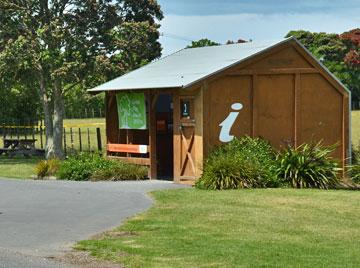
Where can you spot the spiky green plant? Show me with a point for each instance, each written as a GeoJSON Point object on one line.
{"type": "Point", "coordinates": [46, 168]}
{"type": "Point", "coordinates": [243, 163]}
{"type": "Point", "coordinates": [308, 166]}
{"type": "Point", "coordinates": [354, 169]}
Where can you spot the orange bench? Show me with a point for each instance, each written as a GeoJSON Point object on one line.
{"type": "Point", "coordinates": [127, 148]}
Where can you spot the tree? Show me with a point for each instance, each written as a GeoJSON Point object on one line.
{"type": "Point", "coordinates": [208, 43]}
{"type": "Point", "coordinates": [56, 45]}
{"type": "Point", "coordinates": [17, 105]}
{"type": "Point", "coordinates": [351, 39]}
{"type": "Point", "coordinates": [202, 43]}
{"type": "Point", "coordinates": [239, 41]}
{"type": "Point", "coordinates": [339, 53]}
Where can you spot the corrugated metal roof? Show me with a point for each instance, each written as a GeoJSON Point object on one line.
{"type": "Point", "coordinates": [187, 66]}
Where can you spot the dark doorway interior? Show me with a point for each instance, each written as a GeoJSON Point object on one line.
{"type": "Point", "coordinates": [164, 136]}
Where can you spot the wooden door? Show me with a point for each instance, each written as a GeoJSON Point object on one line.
{"type": "Point", "coordinates": [184, 138]}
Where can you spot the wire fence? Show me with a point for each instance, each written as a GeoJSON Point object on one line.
{"type": "Point", "coordinates": [83, 138]}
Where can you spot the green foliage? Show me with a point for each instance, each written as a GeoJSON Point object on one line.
{"type": "Point", "coordinates": [242, 163]}
{"type": "Point", "coordinates": [202, 43]}
{"type": "Point", "coordinates": [355, 173]}
{"type": "Point", "coordinates": [120, 171]}
{"type": "Point", "coordinates": [19, 105]}
{"type": "Point", "coordinates": [308, 166]}
{"type": "Point", "coordinates": [85, 166]}
{"type": "Point", "coordinates": [51, 47]}
{"type": "Point", "coordinates": [76, 102]}
{"type": "Point", "coordinates": [47, 168]}
{"type": "Point", "coordinates": [339, 53]}
{"type": "Point", "coordinates": [80, 167]}
{"type": "Point", "coordinates": [354, 169]}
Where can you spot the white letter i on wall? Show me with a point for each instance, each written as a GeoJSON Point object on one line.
{"type": "Point", "coordinates": [227, 124]}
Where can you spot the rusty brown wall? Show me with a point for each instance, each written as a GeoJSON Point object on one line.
{"type": "Point", "coordinates": [321, 112]}
{"type": "Point", "coordinates": [287, 99]}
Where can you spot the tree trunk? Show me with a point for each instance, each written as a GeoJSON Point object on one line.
{"type": "Point", "coordinates": [49, 141]}
{"type": "Point", "coordinates": [58, 120]}
{"type": "Point", "coordinates": [53, 119]}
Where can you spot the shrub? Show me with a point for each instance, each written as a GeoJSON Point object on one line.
{"type": "Point", "coordinates": [355, 173]}
{"type": "Point", "coordinates": [242, 163]}
{"type": "Point", "coordinates": [308, 166]}
{"type": "Point", "coordinates": [354, 169]}
{"type": "Point", "coordinates": [85, 166]}
{"type": "Point", "coordinates": [80, 167]}
{"type": "Point", "coordinates": [47, 168]}
{"type": "Point", "coordinates": [120, 171]}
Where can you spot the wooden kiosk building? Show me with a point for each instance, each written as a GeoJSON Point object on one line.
{"type": "Point", "coordinates": [197, 98]}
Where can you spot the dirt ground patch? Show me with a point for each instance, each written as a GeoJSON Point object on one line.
{"type": "Point", "coordinates": [84, 260]}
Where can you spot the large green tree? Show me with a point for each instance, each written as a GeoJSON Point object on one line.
{"type": "Point", "coordinates": [55, 45]}
{"type": "Point", "coordinates": [339, 53]}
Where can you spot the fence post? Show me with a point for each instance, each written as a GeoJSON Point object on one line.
{"type": "Point", "coordinates": [65, 150]}
{"type": "Point", "coordinates": [71, 139]}
{"type": "Point", "coordinates": [25, 127]}
{"type": "Point", "coordinates": [17, 132]}
{"type": "Point", "coordinates": [4, 131]}
{"type": "Point", "coordinates": [80, 143]}
{"type": "Point", "coordinates": [88, 139]}
{"type": "Point", "coordinates": [33, 132]}
{"type": "Point", "coordinates": [98, 135]}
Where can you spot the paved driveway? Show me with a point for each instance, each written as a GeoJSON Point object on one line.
{"type": "Point", "coordinates": [45, 218]}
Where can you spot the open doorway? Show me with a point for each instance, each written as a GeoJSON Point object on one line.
{"type": "Point", "coordinates": [164, 136]}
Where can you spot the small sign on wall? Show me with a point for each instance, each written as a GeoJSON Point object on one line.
{"type": "Point", "coordinates": [185, 108]}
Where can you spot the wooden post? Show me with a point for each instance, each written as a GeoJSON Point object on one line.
{"type": "Point", "coordinates": [88, 139]}
{"type": "Point", "coordinates": [177, 136]}
{"type": "Point", "coordinates": [4, 131]}
{"type": "Point", "coordinates": [98, 136]}
{"type": "Point", "coordinates": [297, 109]}
{"type": "Point", "coordinates": [71, 139]}
{"type": "Point", "coordinates": [17, 133]}
{"type": "Point", "coordinates": [152, 136]}
{"type": "Point", "coordinates": [254, 91]}
{"type": "Point", "coordinates": [65, 149]}
{"type": "Point", "coordinates": [80, 143]}
{"type": "Point", "coordinates": [33, 132]}
{"type": "Point", "coordinates": [25, 127]}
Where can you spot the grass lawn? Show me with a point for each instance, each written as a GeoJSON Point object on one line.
{"type": "Point", "coordinates": [87, 122]}
{"type": "Point", "coordinates": [18, 167]}
{"type": "Point", "coordinates": [244, 228]}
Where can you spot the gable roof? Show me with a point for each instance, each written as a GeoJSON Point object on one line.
{"type": "Point", "coordinates": [190, 65]}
